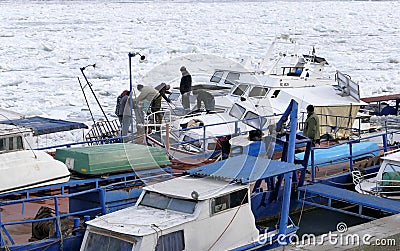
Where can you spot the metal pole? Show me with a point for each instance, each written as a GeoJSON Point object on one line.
{"type": "Point", "coordinates": [351, 155]}
{"type": "Point", "coordinates": [288, 176]}
{"type": "Point", "coordinates": [130, 55]}
{"type": "Point", "coordinates": [94, 94]}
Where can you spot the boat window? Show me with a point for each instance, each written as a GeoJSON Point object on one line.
{"type": "Point", "coordinates": [237, 111]}
{"type": "Point", "coordinates": [217, 76]}
{"type": "Point", "coordinates": [2, 144]}
{"type": "Point", "coordinates": [155, 200]}
{"type": "Point", "coordinates": [229, 201]}
{"type": "Point", "coordinates": [240, 90]}
{"type": "Point", "coordinates": [11, 143]}
{"type": "Point", "coordinates": [109, 242]}
{"type": "Point", "coordinates": [172, 241]}
{"type": "Point", "coordinates": [159, 201]}
{"type": "Point", "coordinates": [391, 172]}
{"type": "Point", "coordinates": [232, 77]}
{"type": "Point", "coordinates": [19, 143]}
{"type": "Point", "coordinates": [254, 120]}
{"type": "Point", "coordinates": [258, 92]}
{"type": "Point", "coordinates": [192, 141]}
{"type": "Point", "coordinates": [275, 94]}
{"type": "Point", "coordinates": [184, 206]}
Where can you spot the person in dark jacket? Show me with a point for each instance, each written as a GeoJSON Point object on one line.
{"type": "Point", "coordinates": [205, 97]}
{"type": "Point", "coordinates": [117, 112]}
{"type": "Point", "coordinates": [163, 89]}
{"type": "Point", "coordinates": [185, 87]}
{"type": "Point", "coordinates": [124, 113]}
{"type": "Point", "coordinates": [311, 126]}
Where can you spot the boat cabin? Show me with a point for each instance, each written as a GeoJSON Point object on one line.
{"type": "Point", "coordinates": [168, 217]}
{"type": "Point", "coordinates": [228, 78]}
{"type": "Point", "coordinates": [13, 138]}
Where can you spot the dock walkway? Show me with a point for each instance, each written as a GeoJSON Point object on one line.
{"type": "Point", "coordinates": [322, 195]}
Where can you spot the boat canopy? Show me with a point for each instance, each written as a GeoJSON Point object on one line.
{"type": "Point", "coordinates": [41, 125]}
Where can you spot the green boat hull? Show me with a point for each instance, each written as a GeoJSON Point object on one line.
{"type": "Point", "coordinates": [112, 158]}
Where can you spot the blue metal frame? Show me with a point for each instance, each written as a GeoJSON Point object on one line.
{"type": "Point", "coordinates": [108, 201]}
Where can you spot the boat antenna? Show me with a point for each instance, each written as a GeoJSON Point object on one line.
{"type": "Point", "coordinates": [87, 103]}
{"type": "Point", "coordinates": [19, 130]}
{"type": "Point", "coordinates": [94, 94]}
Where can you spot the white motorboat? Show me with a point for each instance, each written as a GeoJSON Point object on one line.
{"type": "Point", "coordinates": [384, 183]}
{"type": "Point", "coordinates": [26, 169]}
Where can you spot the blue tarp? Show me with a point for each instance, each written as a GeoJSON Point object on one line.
{"type": "Point", "coordinates": [341, 153]}
{"type": "Point", "coordinates": [41, 125]}
{"type": "Point", "coordinates": [245, 168]}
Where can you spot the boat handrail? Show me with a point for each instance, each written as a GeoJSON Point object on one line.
{"type": "Point", "coordinates": [392, 151]}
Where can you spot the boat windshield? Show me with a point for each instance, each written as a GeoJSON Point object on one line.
{"type": "Point", "coordinates": [159, 201]}
{"type": "Point", "coordinates": [109, 241]}
{"type": "Point", "coordinates": [391, 173]}
{"type": "Point", "coordinates": [217, 76]}
{"type": "Point", "coordinates": [232, 77]}
{"type": "Point", "coordinates": [240, 90]}
{"type": "Point", "coordinates": [254, 120]}
{"type": "Point", "coordinates": [237, 111]}
{"type": "Point", "coordinates": [258, 91]}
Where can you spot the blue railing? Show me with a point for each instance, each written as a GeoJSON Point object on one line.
{"type": "Point", "coordinates": [118, 182]}
{"type": "Point", "coordinates": [350, 157]}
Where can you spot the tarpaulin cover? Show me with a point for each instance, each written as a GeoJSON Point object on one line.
{"type": "Point", "coordinates": [41, 125]}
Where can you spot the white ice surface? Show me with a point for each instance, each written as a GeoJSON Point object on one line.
{"type": "Point", "coordinates": [45, 43]}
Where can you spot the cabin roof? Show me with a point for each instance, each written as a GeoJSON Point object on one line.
{"type": "Point", "coordinates": [325, 95]}
{"type": "Point", "coordinates": [41, 125]}
{"type": "Point", "coordinates": [183, 187]}
{"type": "Point", "coordinates": [381, 98]}
{"type": "Point", "coordinates": [245, 169]}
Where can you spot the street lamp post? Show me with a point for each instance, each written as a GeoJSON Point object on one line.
{"type": "Point", "coordinates": [142, 57]}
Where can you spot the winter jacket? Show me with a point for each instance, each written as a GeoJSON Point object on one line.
{"type": "Point", "coordinates": [186, 83]}
{"type": "Point", "coordinates": [311, 127]}
{"type": "Point", "coordinates": [147, 93]}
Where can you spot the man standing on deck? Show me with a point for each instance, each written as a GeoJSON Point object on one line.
{"type": "Point", "coordinates": [185, 88]}
{"type": "Point", "coordinates": [162, 89]}
{"type": "Point", "coordinates": [205, 97]}
{"type": "Point", "coordinates": [311, 126]}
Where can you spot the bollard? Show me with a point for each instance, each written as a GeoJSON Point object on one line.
{"type": "Point", "coordinates": [86, 218]}
{"type": "Point", "coordinates": [77, 223]}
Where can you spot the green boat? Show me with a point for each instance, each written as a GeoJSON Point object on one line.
{"type": "Point", "coordinates": [112, 158]}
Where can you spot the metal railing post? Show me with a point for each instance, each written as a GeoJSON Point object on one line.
{"type": "Point", "coordinates": [204, 139]}
{"type": "Point", "coordinates": [384, 138]}
{"type": "Point", "coordinates": [312, 165]}
{"type": "Point", "coordinates": [102, 198]}
{"type": "Point", "coordinates": [58, 222]}
{"type": "Point", "coordinates": [351, 155]}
